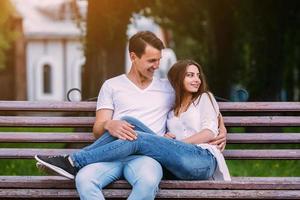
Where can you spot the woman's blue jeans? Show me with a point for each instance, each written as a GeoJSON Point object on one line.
{"type": "Point", "coordinates": [185, 161]}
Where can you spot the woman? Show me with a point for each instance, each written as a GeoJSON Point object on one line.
{"type": "Point", "coordinates": [192, 123]}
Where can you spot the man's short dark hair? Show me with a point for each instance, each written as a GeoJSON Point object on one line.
{"type": "Point", "coordinates": [138, 42]}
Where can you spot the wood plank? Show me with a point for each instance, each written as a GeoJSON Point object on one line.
{"type": "Point", "coordinates": [263, 138]}
{"type": "Point", "coordinates": [12, 121]}
{"type": "Point", "coordinates": [45, 137]}
{"type": "Point", "coordinates": [274, 154]}
{"type": "Point", "coordinates": [258, 183]}
{"type": "Point", "coordinates": [177, 194]}
{"type": "Point", "coordinates": [91, 106]}
{"type": "Point", "coordinates": [259, 106]}
{"type": "Point", "coordinates": [49, 106]}
{"type": "Point", "coordinates": [42, 121]}
{"type": "Point", "coordinates": [25, 153]}
{"type": "Point", "coordinates": [87, 137]}
{"type": "Point", "coordinates": [262, 121]}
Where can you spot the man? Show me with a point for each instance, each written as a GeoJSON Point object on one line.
{"type": "Point", "coordinates": [140, 95]}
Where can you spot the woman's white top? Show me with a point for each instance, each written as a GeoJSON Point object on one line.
{"type": "Point", "coordinates": [200, 115]}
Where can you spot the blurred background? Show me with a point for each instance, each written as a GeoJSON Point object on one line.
{"type": "Point", "coordinates": [250, 49]}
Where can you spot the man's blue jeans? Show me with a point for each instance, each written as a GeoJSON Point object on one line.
{"type": "Point", "coordinates": [142, 172]}
{"type": "Point", "coordinates": [185, 161]}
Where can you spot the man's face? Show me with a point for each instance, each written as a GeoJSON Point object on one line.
{"type": "Point", "coordinates": [148, 62]}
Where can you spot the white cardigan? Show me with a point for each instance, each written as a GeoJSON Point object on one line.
{"type": "Point", "coordinates": [203, 114]}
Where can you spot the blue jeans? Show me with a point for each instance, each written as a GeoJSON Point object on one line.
{"type": "Point", "coordinates": [185, 161]}
{"type": "Point", "coordinates": [93, 177]}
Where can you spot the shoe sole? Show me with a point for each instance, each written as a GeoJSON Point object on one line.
{"type": "Point", "coordinates": [56, 169]}
{"type": "Point", "coordinates": [45, 169]}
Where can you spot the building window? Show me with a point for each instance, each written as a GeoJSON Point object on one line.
{"type": "Point", "coordinates": [47, 79]}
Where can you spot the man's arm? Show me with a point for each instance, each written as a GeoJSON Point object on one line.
{"type": "Point", "coordinates": [220, 140]}
{"type": "Point", "coordinates": [117, 128]}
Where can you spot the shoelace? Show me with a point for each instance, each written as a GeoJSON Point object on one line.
{"type": "Point", "coordinates": [57, 156]}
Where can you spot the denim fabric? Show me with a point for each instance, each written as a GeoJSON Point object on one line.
{"type": "Point", "coordinates": [142, 172]}
{"type": "Point", "coordinates": [93, 177]}
{"type": "Point", "coordinates": [185, 161]}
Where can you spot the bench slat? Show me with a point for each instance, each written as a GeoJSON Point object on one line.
{"type": "Point", "coordinates": [229, 154]}
{"type": "Point", "coordinates": [24, 121]}
{"type": "Point", "coordinates": [263, 138]}
{"type": "Point", "coordinates": [85, 137]}
{"type": "Point", "coordinates": [49, 106]}
{"type": "Point", "coordinates": [91, 106]}
{"type": "Point", "coordinates": [259, 106]}
{"type": "Point", "coordinates": [262, 121]}
{"type": "Point", "coordinates": [263, 183]}
{"type": "Point", "coordinates": [178, 194]}
{"type": "Point", "coordinates": [53, 137]}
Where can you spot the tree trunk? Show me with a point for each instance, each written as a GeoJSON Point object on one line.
{"type": "Point", "coordinates": [105, 42]}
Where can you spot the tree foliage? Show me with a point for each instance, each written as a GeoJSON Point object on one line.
{"type": "Point", "coordinates": [251, 43]}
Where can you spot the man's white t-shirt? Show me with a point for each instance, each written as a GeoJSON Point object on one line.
{"type": "Point", "coordinates": [150, 105]}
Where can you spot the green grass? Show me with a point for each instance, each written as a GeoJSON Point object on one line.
{"type": "Point", "coordinates": [26, 166]}
{"type": "Point", "coordinates": [22, 166]}
{"type": "Point", "coordinates": [264, 167]}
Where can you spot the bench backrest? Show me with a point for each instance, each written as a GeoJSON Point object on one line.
{"type": "Point", "coordinates": [78, 119]}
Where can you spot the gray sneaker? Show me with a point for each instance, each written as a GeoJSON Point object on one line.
{"type": "Point", "coordinates": [59, 164]}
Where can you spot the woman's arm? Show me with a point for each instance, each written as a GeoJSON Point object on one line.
{"type": "Point", "coordinates": [203, 136]}
{"type": "Point", "coordinates": [208, 111]}
{"type": "Point", "coordinates": [220, 140]}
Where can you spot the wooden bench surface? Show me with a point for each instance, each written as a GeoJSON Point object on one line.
{"type": "Point", "coordinates": [81, 115]}
{"type": "Point", "coordinates": [242, 187]}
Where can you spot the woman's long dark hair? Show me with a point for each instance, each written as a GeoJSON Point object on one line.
{"type": "Point", "coordinates": [176, 77]}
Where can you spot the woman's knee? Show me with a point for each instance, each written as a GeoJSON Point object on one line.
{"type": "Point", "coordinates": [129, 119]}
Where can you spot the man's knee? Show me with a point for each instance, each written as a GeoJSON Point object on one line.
{"type": "Point", "coordinates": [84, 179]}
{"type": "Point", "coordinates": [98, 175]}
{"type": "Point", "coordinates": [144, 174]}
{"type": "Point", "coordinates": [143, 170]}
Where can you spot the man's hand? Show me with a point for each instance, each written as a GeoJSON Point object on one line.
{"type": "Point", "coordinates": [220, 140]}
{"type": "Point", "coordinates": [169, 135]}
{"type": "Point", "coordinates": [120, 129]}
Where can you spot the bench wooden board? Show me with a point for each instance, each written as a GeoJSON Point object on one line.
{"type": "Point", "coordinates": [167, 193]}
{"type": "Point", "coordinates": [253, 183]}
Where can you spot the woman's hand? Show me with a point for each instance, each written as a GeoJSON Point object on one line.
{"type": "Point", "coordinates": [220, 140]}
{"type": "Point", "coordinates": [169, 135]}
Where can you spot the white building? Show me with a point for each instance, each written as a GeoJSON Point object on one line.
{"type": "Point", "coordinates": [54, 52]}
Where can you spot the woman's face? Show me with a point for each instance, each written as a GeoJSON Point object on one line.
{"type": "Point", "coordinates": [192, 80]}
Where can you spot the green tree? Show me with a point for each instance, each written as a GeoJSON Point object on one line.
{"type": "Point", "coordinates": [250, 42]}
{"type": "Point", "coordinates": [204, 31]}
{"type": "Point", "coordinates": [268, 42]}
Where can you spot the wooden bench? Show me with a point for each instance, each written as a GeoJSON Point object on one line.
{"type": "Point", "coordinates": [81, 115]}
